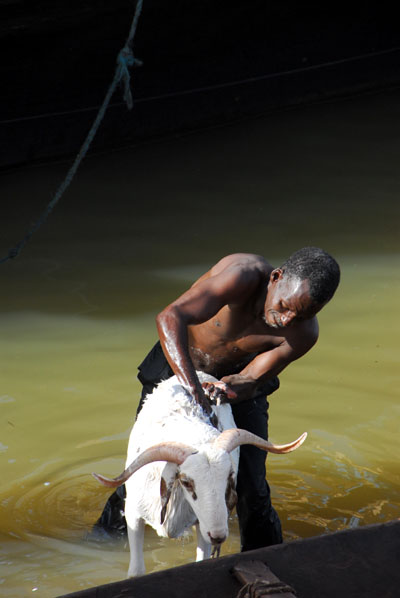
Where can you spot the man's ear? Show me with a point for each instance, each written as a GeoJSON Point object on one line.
{"type": "Point", "coordinates": [276, 275]}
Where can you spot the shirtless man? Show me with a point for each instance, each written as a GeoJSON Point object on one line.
{"type": "Point", "coordinates": [243, 322]}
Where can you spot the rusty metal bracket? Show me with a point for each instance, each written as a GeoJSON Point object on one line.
{"type": "Point", "coordinates": [259, 581]}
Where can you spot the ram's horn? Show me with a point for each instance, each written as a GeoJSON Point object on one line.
{"type": "Point", "coordinates": [174, 452]}
{"type": "Point", "coordinates": [231, 439]}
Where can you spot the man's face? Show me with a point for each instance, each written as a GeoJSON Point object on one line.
{"type": "Point", "coordinates": [288, 300]}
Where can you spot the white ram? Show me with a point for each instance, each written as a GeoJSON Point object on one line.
{"type": "Point", "coordinates": [186, 470]}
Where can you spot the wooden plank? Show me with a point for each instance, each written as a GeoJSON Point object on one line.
{"type": "Point", "coordinates": [259, 581]}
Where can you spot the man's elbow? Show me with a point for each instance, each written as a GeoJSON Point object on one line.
{"type": "Point", "coordinates": [313, 337]}
{"type": "Point", "coordinates": [165, 316]}
{"type": "Point", "coordinates": [298, 348]}
{"type": "Point", "coordinates": [169, 318]}
{"type": "Point", "coordinates": [308, 338]}
{"type": "Point", "coordinates": [306, 346]}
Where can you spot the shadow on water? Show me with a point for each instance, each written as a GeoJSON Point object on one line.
{"type": "Point", "coordinates": [133, 231]}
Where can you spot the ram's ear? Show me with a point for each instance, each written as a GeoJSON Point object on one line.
{"type": "Point", "coordinates": [230, 493]}
{"type": "Point", "coordinates": [168, 477]}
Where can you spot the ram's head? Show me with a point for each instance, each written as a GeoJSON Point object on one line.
{"type": "Point", "coordinates": [206, 476]}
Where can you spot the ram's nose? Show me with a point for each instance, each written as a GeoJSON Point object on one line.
{"type": "Point", "coordinates": [217, 539]}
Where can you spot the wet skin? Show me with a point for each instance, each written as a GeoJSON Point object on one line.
{"type": "Point", "coordinates": [242, 321]}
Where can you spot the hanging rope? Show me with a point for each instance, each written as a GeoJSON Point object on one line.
{"type": "Point", "coordinates": [125, 61]}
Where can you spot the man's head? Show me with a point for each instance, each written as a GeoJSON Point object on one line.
{"type": "Point", "coordinates": [302, 285]}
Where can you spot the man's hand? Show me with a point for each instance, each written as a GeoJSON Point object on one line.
{"type": "Point", "coordinates": [219, 390]}
{"type": "Point", "coordinates": [203, 399]}
{"type": "Point", "coordinates": [242, 388]}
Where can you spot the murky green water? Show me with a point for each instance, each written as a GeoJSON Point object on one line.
{"type": "Point", "coordinates": [132, 232]}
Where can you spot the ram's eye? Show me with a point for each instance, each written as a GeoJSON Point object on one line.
{"type": "Point", "coordinates": [188, 484]}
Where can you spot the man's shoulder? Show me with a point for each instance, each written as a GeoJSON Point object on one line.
{"type": "Point", "coordinates": [236, 276]}
{"type": "Point", "coordinates": [242, 263]}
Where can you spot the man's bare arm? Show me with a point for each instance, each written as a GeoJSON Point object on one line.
{"type": "Point", "coordinates": [266, 366]}
{"type": "Point", "coordinates": [199, 304]}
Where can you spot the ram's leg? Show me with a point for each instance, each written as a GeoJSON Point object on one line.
{"type": "Point", "coordinates": [136, 537]}
{"type": "Point", "coordinates": [203, 548]}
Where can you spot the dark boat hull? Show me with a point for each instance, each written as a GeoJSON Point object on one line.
{"type": "Point", "coordinates": [359, 563]}
{"type": "Point", "coordinates": [205, 64]}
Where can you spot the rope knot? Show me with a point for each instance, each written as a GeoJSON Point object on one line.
{"type": "Point", "coordinates": [126, 60]}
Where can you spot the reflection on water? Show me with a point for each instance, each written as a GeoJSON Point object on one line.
{"type": "Point", "coordinates": [136, 228]}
